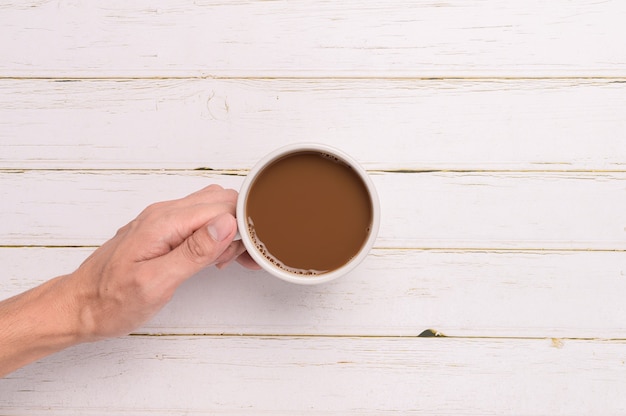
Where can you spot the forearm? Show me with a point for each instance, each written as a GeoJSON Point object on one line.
{"type": "Point", "coordinates": [124, 282]}
{"type": "Point", "coordinates": [37, 323]}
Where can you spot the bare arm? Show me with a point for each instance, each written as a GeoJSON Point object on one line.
{"type": "Point", "coordinates": [37, 323]}
{"type": "Point", "coordinates": [125, 281]}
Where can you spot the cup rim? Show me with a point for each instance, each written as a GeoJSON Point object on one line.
{"type": "Point", "coordinates": [264, 262]}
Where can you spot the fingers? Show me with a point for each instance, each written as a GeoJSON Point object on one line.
{"type": "Point", "coordinates": [234, 250]}
{"type": "Point", "coordinates": [201, 249]}
{"type": "Point", "coordinates": [187, 209]}
{"type": "Point", "coordinates": [192, 233]}
{"type": "Point", "coordinates": [171, 223]}
{"type": "Point", "coordinates": [246, 261]}
{"type": "Point", "coordinates": [211, 193]}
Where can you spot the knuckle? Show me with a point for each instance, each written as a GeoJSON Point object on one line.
{"type": "Point", "coordinates": [214, 187]}
{"type": "Point", "coordinates": [121, 231]}
{"type": "Point", "coordinates": [232, 194]}
{"type": "Point", "coordinates": [155, 208]}
{"type": "Point", "coordinates": [197, 250]}
{"type": "Point", "coordinates": [154, 214]}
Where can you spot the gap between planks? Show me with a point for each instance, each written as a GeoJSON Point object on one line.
{"type": "Point", "coordinates": [244, 172]}
{"type": "Point", "coordinates": [443, 77]}
{"type": "Point", "coordinates": [371, 336]}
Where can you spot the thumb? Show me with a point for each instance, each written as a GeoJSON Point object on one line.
{"type": "Point", "coordinates": [199, 250]}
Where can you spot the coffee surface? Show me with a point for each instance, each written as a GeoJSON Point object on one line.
{"type": "Point", "coordinates": [309, 213]}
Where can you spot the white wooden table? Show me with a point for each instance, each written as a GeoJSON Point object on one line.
{"type": "Point", "coordinates": [495, 132]}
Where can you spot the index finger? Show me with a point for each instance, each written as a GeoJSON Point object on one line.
{"type": "Point", "coordinates": [211, 193]}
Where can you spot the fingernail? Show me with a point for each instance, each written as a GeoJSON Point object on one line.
{"type": "Point", "coordinates": [221, 227]}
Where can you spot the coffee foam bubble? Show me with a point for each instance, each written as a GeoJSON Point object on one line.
{"type": "Point", "coordinates": [332, 158]}
{"type": "Point", "coordinates": [275, 261]}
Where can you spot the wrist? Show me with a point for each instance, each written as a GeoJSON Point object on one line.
{"type": "Point", "coordinates": [75, 306]}
{"type": "Point", "coordinates": [55, 307]}
{"type": "Point", "coordinates": [38, 323]}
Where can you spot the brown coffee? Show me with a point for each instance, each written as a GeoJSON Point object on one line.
{"type": "Point", "coordinates": [309, 213]}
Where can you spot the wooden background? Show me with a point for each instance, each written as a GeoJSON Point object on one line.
{"type": "Point", "coordinates": [495, 132]}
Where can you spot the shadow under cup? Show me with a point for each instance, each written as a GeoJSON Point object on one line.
{"type": "Point", "coordinates": [308, 213]}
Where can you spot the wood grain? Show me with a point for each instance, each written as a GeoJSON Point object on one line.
{"type": "Point", "coordinates": [494, 132]}
{"type": "Point", "coordinates": [394, 292]}
{"type": "Point", "coordinates": [419, 210]}
{"type": "Point", "coordinates": [230, 124]}
{"type": "Point", "coordinates": [268, 375]}
{"type": "Point", "coordinates": [312, 38]}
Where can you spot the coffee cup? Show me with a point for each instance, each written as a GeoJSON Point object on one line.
{"type": "Point", "coordinates": [308, 213]}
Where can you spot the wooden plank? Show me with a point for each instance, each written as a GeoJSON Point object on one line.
{"type": "Point", "coordinates": [312, 38]}
{"type": "Point", "coordinates": [234, 375]}
{"type": "Point", "coordinates": [394, 292]}
{"type": "Point", "coordinates": [230, 124]}
{"type": "Point", "coordinates": [484, 210]}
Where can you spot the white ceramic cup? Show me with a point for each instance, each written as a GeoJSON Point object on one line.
{"type": "Point", "coordinates": [261, 259]}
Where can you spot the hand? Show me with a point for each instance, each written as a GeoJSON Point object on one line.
{"type": "Point", "coordinates": [133, 275]}
{"type": "Point", "coordinates": [124, 282]}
